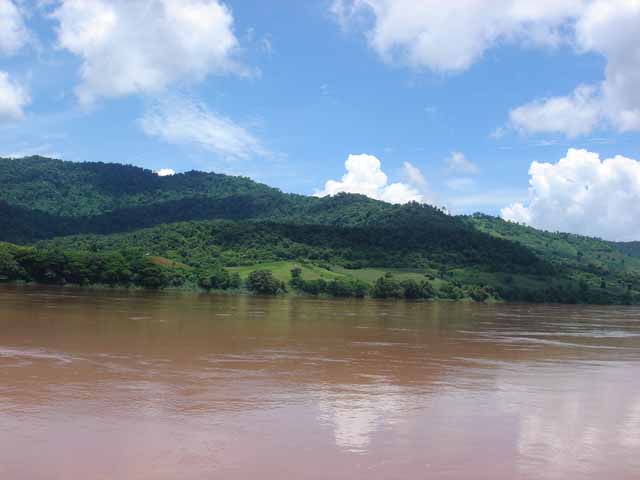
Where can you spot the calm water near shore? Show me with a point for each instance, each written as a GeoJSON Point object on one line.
{"type": "Point", "coordinates": [118, 385]}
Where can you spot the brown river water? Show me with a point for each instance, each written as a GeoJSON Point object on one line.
{"type": "Point", "coordinates": [117, 385]}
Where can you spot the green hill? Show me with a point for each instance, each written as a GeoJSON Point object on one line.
{"type": "Point", "coordinates": [629, 248]}
{"type": "Point", "coordinates": [196, 223]}
{"type": "Point", "coordinates": [72, 189]}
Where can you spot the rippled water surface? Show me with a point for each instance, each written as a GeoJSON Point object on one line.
{"type": "Point", "coordinates": [112, 385]}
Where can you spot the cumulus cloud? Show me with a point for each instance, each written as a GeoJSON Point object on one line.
{"type": "Point", "coordinates": [365, 176]}
{"type": "Point", "coordinates": [451, 36]}
{"type": "Point", "coordinates": [165, 172]}
{"type": "Point", "coordinates": [13, 32]}
{"type": "Point", "coordinates": [181, 120]}
{"type": "Point", "coordinates": [609, 28]}
{"type": "Point", "coordinates": [13, 98]}
{"type": "Point", "coordinates": [139, 47]}
{"type": "Point", "coordinates": [583, 194]}
{"type": "Point", "coordinates": [457, 163]}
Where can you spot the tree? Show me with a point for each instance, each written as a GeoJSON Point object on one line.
{"type": "Point", "coordinates": [9, 268]}
{"type": "Point", "coordinates": [218, 278]}
{"type": "Point", "coordinates": [451, 292]}
{"type": "Point", "coordinates": [412, 289]}
{"type": "Point", "coordinates": [345, 287]}
{"type": "Point", "coordinates": [151, 276]}
{"type": "Point", "coordinates": [479, 294]}
{"type": "Point", "coordinates": [386, 287]}
{"type": "Point", "coordinates": [263, 281]}
{"type": "Point", "coordinates": [234, 280]}
{"type": "Point", "coordinates": [296, 277]}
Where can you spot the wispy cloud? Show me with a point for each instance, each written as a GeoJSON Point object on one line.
{"type": "Point", "coordinates": [183, 120]}
{"type": "Point", "coordinates": [457, 163]}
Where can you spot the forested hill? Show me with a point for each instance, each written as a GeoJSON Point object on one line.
{"type": "Point", "coordinates": [43, 198]}
{"type": "Point", "coordinates": [84, 215]}
{"type": "Point", "coordinates": [82, 189]}
{"type": "Point", "coordinates": [630, 248]}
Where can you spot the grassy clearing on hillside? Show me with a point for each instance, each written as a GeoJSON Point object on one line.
{"type": "Point", "coordinates": [370, 275]}
{"type": "Point", "coordinates": [282, 270]}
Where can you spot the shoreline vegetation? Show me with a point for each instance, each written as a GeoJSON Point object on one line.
{"type": "Point", "coordinates": [133, 269]}
{"type": "Point", "coordinates": [123, 226]}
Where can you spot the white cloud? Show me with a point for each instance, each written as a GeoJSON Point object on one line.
{"type": "Point", "coordinates": [144, 46]}
{"type": "Point", "coordinates": [13, 98]}
{"type": "Point", "coordinates": [13, 33]}
{"type": "Point", "coordinates": [573, 115]}
{"type": "Point", "coordinates": [13, 36]}
{"type": "Point", "coordinates": [457, 163]}
{"type": "Point", "coordinates": [414, 175]}
{"type": "Point", "coordinates": [583, 194]}
{"type": "Point", "coordinates": [181, 120]}
{"type": "Point", "coordinates": [365, 176]}
{"type": "Point", "coordinates": [165, 172]}
{"type": "Point", "coordinates": [609, 28]}
{"type": "Point", "coordinates": [451, 36]}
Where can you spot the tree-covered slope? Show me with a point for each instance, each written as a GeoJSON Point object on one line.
{"type": "Point", "coordinates": [83, 189]}
{"type": "Point", "coordinates": [571, 250]}
{"type": "Point", "coordinates": [233, 243]}
{"type": "Point", "coordinates": [213, 221]}
{"type": "Point", "coordinates": [629, 248]}
{"type": "Point", "coordinates": [48, 198]}
{"type": "Point", "coordinates": [575, 256]}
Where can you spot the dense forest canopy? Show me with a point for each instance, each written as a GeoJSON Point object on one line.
{"type": "Point", "coordinates": [191, 228]}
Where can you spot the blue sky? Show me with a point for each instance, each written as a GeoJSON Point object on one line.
{"type": "Point", "coordinates": [448, 104]}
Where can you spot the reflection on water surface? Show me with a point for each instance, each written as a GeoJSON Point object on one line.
{"type": "Point", "coordinates": [163, 386]}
